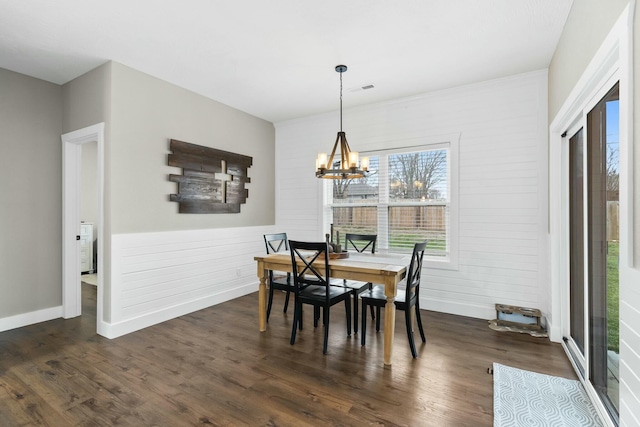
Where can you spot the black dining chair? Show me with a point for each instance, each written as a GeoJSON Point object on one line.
{"type": "Point", "coordinates": [278, 243]}
{"type": "Point", "coordinates": [360, 243]}
{"type": "Point", "coordinates": [405, 299]}
{"type": "Point", "coordinates": [310, 265]}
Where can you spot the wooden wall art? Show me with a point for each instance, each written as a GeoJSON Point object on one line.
{"type": "Point", "coordinates": [212, 181]}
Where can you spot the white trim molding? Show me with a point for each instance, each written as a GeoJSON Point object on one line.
{"type": "Point", "coordinates": [26, 319]}
{"type": "Point", "coordinates": [71, 175]}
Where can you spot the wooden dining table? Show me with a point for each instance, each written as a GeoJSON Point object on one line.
{"type": "Point", "coordinates": [384, 269]}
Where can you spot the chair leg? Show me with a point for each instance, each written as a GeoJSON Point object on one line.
{"type": "Point", "coordinates": [419, 320]}
{"type": "Point", "coordinates": [294, 329]}
{"type": "Point", "coordinates": [325, 314]}
{"type": "Point", "coordinates": [355, 312]}
{"type": "Point", "coordinates": [373, 316]}
{"type": "Point", "coordinates": [286, 302]}
{"type": "Point", "coordinates": [300, 317]}
{"type": "Point", "coordinates": [316, 315]}
{"type": "Point", "coordinates": [363, 329]}
{"type": "Point", "coordinates": [412, 344]}
{"type": "Point", "coordinates": [347, 309]}
{"type": "Point", "coordinates": [270, 302]}
{"type": "Point", "coordinates": [377, 319]}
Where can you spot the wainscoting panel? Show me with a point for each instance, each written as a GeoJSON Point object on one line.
{"type": "Point", "coordinates": [629, 346]}
{"type": "Point", "coordinates": [159, 276]}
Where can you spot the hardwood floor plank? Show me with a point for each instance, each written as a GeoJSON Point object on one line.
{"type": "Point", "coordinates": [22, 406]}
{"type": "Point", "coordinates": [213, 367]}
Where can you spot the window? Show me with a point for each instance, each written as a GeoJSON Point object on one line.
{"type": "Point", "coordinates": [405, 199]}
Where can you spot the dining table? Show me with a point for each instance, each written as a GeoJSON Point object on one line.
{"type": "Point", "coordinates": [386, 269]}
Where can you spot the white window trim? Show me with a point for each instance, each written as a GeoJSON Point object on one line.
{"type": "Point", "coordinates": [452, 143]}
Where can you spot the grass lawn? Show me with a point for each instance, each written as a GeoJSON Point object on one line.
{"type": "Point", "coordinates": [402, 242]}
{"type": "Point", "coordinates": [613, 306]}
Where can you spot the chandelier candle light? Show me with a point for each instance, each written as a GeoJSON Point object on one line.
{"type": "Point", "coordinates": [350, 166]}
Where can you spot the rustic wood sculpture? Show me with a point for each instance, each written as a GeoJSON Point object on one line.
{"type": "Point", "coordinates": [212, 181]}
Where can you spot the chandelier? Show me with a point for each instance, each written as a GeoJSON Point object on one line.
{"type": "Point", "coordinates": [349, 166]}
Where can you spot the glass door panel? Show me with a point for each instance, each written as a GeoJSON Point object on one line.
{"type": "Point", "coordinates": [576, 242]}
{"type": "Point", "coordinates": [602, 160]}
{"type": "Point", "coordinates": [613, 242]}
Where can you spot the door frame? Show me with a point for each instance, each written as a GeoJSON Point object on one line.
{"type": "Point", "coordinates": [71, 175]}
{"type": "Point", "coordinates": [582, 357]}
{"type": "Point", "coordinates": [612, 62]}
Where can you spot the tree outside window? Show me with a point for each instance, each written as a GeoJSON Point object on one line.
{"type": "Point", "coordinates": [413, 207]}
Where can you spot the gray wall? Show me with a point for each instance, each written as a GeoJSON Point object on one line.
{"type": "Point", "coordinates": [588, 24]}
{"type": "Point", "coordinates": [141, 113]}
{"type": "Point", "coordinates": [86, 102]}
{"type": "Point", "coordinates": [87, 99]}
{"type": "Point", "coordinates": [147, 113]}
{"type": "Point", "coordinates": [30, 212]}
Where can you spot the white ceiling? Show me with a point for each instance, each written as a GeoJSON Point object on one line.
{"type": "Point", "coordinates": [275, 59]}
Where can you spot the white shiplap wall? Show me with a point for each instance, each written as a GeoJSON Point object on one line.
{"type": "Point", "coordinates": [159, 276]}
{"type": "Point", "coordinates": [502, 128]}
{"type": "Point", "coordinates": [629, 347]}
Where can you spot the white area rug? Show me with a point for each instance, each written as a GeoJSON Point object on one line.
{"type": "Point", "coordinates": [528, 399]}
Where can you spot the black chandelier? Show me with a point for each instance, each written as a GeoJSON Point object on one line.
{"type": "Point", "coordinates": [350, 166]}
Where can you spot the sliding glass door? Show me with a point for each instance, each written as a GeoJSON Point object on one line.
{"type": "Point", "coordinates": [593, 248]}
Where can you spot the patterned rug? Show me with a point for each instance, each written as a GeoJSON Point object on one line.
{"type": "Point", "coordinates": [528, 399]}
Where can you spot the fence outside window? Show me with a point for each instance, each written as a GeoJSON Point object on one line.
{"type": "Point", "coordinates": [405, 200]}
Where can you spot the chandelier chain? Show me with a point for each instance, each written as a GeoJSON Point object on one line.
{"type": "Point", "coordinates": [340, 101]}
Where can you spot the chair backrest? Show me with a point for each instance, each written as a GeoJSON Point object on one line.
{"type": "Point", "coordinates": [314, 268]}
{"type": "Point", "coordinates": [360, 242]}
{"type": "Point", "coordinates": [276, 243]}
{"type": "Point", "coordinates": [415, 271]}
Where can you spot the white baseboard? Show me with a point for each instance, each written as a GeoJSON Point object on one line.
{"type": "Point", "coordinates": [26, 319]}
{"type": "Point", "coordinates": [553, 329]}
{"type": "Point", "coordinates": [115, 330]}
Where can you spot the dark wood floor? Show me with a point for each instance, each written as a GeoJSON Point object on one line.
{"type": "Point", "coordinates": [213, 367]}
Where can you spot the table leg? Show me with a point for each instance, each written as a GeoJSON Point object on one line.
{"type": "Point", "coordinates": [262, 297]}
{"type": "Point", "coordinates": [389, 321]}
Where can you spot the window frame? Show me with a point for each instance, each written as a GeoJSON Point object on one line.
{"type": "Point", "coordinates": [449, 142]}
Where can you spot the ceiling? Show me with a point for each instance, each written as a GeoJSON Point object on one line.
{"type": "Point", "coordinates": [276, 59]}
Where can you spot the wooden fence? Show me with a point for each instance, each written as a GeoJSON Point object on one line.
{"type": "Point", "coordinates": [432, 218]}
{"type": "Point", "coordinates": [613, 225]}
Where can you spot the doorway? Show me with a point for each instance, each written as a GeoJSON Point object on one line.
{"type": "Point", "coordinates": [88, 231]}
{"type": "Point", "coordinates": [71, 218]}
